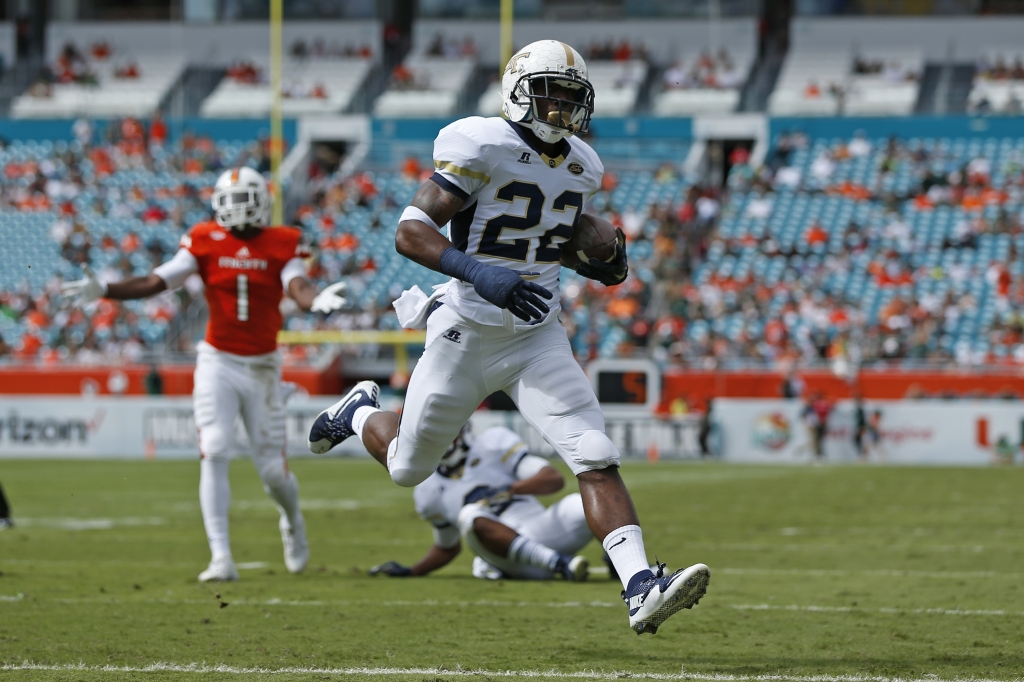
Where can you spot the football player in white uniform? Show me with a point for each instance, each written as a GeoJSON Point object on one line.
{"type": "Point", "coordinates": [511, 192]}
{"type": "Point", "coordinates": [483, 493]}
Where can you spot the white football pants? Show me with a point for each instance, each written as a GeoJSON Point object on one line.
{"type": "Point", "coordinates": [227, 387]}
{"type": "Point", "coordinates": [464, 362]}
{"type": "Point", "coordinates": [561, 527]}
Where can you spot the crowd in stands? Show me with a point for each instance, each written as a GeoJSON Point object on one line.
{"type": "Point", "coordinates": [892, 70]}
{"type": "Point", "coordinates": [684, 303]}
{"type": "Point", "coordinates": [998, 87]}
{"type": "Point", "coordinates": [619, 51]}
{"type": "Point", "coordinates": [318, 49]}
{"type": "Point", "coordinates": [451, 48]}
{"type": "Point", "coordinates": [800, 318]}
{"type": "Point", "coordinates": [74, 65]}
{"type": "Point", "coordinates": [1000, 69]}
{"type": "Point", "coordinates": [245, 71]}
{"type": "Point", "coordinates": [117, 200]}
{"type": "Point", "coordinates": [405, 78]}
{"type": "Point", "coordinates": [717, 70]}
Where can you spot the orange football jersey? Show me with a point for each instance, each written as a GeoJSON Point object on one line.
{"type": "Point", "coordinates": [243, 284]}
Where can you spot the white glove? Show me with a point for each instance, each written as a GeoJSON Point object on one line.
{"type": "Point", "coordinates": [329, 300]}
{"type": "Point", "coordinates": [86, 290]}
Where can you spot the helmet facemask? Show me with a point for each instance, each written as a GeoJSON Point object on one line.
{"type": "Point", "coordinates": [240, 199]}
{"type": "Point", "coordinates": [552, 117]}
{"type": "Point", "coordinates": [455, 456]}
{"type": "Point", "coordinates": [238, 207]}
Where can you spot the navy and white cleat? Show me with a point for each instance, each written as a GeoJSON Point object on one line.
{"type": "Point", "coordinates": [574, 568]}
{"type": "Point", "coordinates": [334, 424]}
{"type": "Point", "coordinates": [655, 599]}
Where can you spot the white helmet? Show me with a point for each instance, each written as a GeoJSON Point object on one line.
{"type": "Point", "coordinates": [240, 198]}
{"type": "Point", "coordinates": [527, 78]}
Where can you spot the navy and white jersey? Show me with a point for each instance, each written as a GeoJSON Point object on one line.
{"type": "Point", "coordinates": [498, 457]}
{"type": "Point", "coordinates": [521, 204]}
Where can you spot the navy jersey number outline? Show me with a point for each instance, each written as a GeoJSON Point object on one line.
{"type": "Point", "coordinates": [491, 241]}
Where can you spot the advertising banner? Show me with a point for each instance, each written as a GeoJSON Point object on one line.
{"type": "Point", "coordinates": [967, 432]}
{"type": "Point", "coordinates": [135, 427]}
{"type": "Point", "coordinates": [131, 427]}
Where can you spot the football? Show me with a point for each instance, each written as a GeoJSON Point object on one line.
{"type": "Point", "coordinates": [594, 237]}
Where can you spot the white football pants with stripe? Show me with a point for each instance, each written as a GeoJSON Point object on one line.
{"type": "Point", "coordinates": [464, 362]}
{"type": "Point", "coordinates": [227, 387]}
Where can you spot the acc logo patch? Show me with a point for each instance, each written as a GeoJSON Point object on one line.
{"type": "Point", "coordinates": [218, 236]}
{"type": "Point", "coordinates": [575, 168]}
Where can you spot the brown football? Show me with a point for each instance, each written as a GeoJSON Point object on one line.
{"type": "Point", "coordinates": [594, 237]}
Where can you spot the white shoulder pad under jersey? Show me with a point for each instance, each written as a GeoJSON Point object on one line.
{"type": "Point", "coordinates": [520, 203]}
{"type": "Point", "coordinates": [490, 462]}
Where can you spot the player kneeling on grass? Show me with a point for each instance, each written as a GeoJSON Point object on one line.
{"type": "Point", "coordinates": [483, 492]}
{"type": "Point", "coordinates": [512, 192]}
{"type": "Point", "coordinates": [246, 266]}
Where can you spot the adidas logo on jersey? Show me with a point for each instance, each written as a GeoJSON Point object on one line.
{"type": "Point", "coordinates": [243, 253]}
{"type": "Point", "coordinates": [452, 335]}
{"type": "Point", "coordinates": [525, 158]}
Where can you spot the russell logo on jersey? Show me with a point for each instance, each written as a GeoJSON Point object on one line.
{"type": "Point", "coordinates": [452, 335]}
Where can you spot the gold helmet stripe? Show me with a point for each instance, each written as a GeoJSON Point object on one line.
{"type": "Point", "coordinates": [570, 60]}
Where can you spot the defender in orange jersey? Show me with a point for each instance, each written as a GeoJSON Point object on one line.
{"type": "Point", "coordinates": [246, 267]}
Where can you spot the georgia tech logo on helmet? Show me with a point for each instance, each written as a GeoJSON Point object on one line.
{"type": "Point", "coordinates": [513, 64]}
{"type": "Point", "coordinates": [575, 168]}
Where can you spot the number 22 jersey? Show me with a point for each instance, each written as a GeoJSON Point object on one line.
{"type": "Point", "coordinates": [520, 203]}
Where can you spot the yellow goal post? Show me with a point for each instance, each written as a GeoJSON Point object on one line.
{"type": "Point", "coordinates": [400, 339]}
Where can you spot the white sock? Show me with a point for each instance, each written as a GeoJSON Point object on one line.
{"type": "Point", "coordinates": [526, 551]}
{"type": "Point", "coordinates": [359, 418]}
{"type": "Point", "coordinates": [286, 495]}
{"type": "Point", "coordinates": [214, 500]}
{"type": "Point", "coordinates": [625, 546]}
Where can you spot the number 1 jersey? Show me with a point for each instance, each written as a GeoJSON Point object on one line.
{"type": "Point", "coordinates": [244, 283]}
{"type": "Point", "coordinates": [520, 203]}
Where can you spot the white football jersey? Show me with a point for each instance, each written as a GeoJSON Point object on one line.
{"type": "Point", "coordinates": [498, 457]}
{"type": "Point", "coordinates": [520, 205]}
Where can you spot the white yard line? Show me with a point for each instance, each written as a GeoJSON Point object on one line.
{"type": "Point", "coordinates": [204, 668]}
{"type": "Point", "coordinates": [595, 570]}
{"type": "Point", "coordinates": [857, 609]}
{"type": "Point", "coordinates": [251, 565]}
{"type": "Point", "coordinates": [882, 572]}
{"type": "Point", "coordinates": [72, 523]}
{"type": "Point", "coordinates": [491, 604]}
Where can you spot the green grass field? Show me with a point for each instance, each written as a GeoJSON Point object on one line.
{"type": "Point", "coordinates": [823, 571]}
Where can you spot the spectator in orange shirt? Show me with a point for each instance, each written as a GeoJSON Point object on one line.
{"type": "Point", "coordinates": [816, 234]}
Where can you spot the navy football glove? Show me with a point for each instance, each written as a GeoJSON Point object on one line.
{"type": "Point", "coordinates": [393, 569]}
{"type": "Point", "coordinates": [503, 287]}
